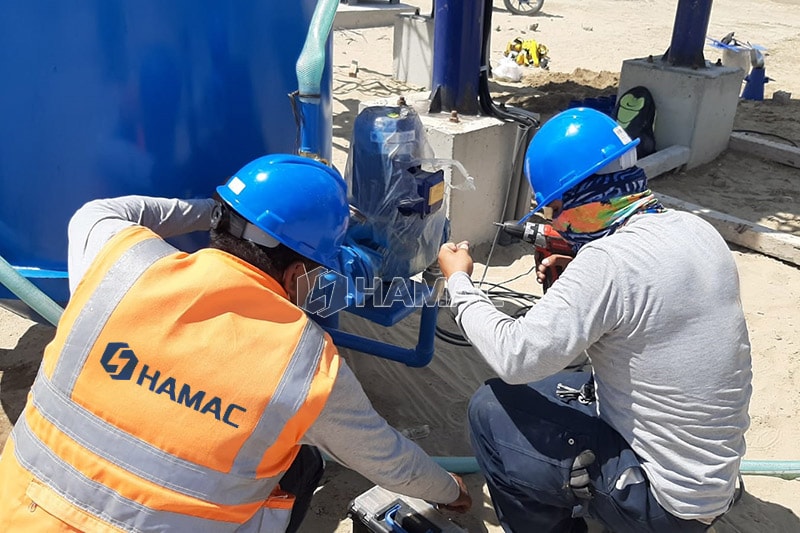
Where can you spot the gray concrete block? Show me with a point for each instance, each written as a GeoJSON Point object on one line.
{"type": "Point", "coordinates": [413, 49]}
{"type": "Point", "coordinates": [694, 107]}
{"type": "Point", "coordinates": [368, 15]}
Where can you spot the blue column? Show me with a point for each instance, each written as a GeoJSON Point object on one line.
{"type": "Point", "coordinates": [689, 34]}
{"type": "Point", "coordinates": [457, 36]}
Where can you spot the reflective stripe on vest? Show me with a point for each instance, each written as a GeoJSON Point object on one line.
{"type": "Point", "coordinates": [169, 471]}
{"type": "Point", "coordinates": [115, 284]}
{"type": "Point", "coordinates": [294, 386]}
{"type": "Point", "coordinates": [123, 513]}
{"type": "Point", "coordinates": [52, 401]}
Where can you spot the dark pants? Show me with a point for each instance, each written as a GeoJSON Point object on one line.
{"type": "Point", "coordinates": [302, 480]}
{"type": "Point", "coordinates": [526, 439]}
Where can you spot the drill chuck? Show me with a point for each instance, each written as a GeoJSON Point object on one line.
{"type": "Point", "coordinates": [529, 232]}
{"type": "Point", "coordinates": [546, 242]}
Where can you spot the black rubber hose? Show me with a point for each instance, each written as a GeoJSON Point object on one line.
{"type": "Point", "coordinates": [484, 95]}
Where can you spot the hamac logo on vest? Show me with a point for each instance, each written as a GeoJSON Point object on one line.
{"type": "Point", "coordinates": [119, 361]}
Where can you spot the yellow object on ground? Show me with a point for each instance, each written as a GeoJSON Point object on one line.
{"type": "Point", "coordinates": [527, 52]}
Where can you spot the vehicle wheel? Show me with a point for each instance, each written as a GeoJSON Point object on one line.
{"type": "Point", "coordinates": [524, 7]}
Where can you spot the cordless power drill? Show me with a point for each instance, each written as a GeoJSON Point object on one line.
{"type": "Point", "coordinates": [546, 242]}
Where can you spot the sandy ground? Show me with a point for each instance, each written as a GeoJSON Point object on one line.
{"type": "Point", "coordinates": [587, 44]}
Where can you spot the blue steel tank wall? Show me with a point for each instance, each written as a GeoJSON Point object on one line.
{"type": "Point", "coordinates": [102, 98]}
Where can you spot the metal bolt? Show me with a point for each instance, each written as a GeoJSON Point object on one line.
{"type": "Point", "coordinates": [454, 116]}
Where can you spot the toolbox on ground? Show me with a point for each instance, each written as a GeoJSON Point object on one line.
{"type": "Point", "coordinates": [382, 511]}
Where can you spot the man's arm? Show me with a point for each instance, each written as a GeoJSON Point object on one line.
{"type": "Point", "coordinates": [95, 223]}
{"type": "Point", "coordinates": [573, 314]}
{"type": "Point", "coordinates": [351, 432]}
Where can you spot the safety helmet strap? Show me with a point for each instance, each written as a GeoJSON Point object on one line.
{"type": "Point", "coordinates": [223, 218]}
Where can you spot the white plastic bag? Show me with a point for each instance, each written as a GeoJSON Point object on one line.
{"type": "Point", "coordinates": [507, 70]}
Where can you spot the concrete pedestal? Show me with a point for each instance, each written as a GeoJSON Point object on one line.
{"type": "Point", "coordinates": [694, 108]}
{"type": "Point", "coordinates": [485, 146]}
{"type": "Point", "coordinates": [413, 49]}
{"type": "Point", "coordinates": [368, 15]}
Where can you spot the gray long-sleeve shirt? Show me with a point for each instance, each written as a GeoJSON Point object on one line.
{"type": "Point", "coordinates": [348, 428]}
{"type": "Point", "coordinates": [656, 306]}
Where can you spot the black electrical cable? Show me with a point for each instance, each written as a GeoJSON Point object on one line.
{"type": "Point", "coordinates": [781, 137]}
{"type": "Point", "coordinates": [515, 278]}
{"type": "Point", "coordinates": [488, 105]}
{"type": "Point", "coordinates": [457, 339]}
{"type": "Point", "coordinates": [526, 119]}
{"type": "Point", "coordinates": [497, 293]}
{"type": "Point", "coordinates": [450, 337]}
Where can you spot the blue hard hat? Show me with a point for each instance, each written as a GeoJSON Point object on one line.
{"type": "Point", "coordinates": [297, 201]}
{"type": "Point", "coordinates": [570, 147]}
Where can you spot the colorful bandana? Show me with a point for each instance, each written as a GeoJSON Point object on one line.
{"type": "Point", "coordinates": [601, 203]}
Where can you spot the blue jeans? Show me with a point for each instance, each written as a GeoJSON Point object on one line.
{"type": "Point", "coordinates": [526, 439]}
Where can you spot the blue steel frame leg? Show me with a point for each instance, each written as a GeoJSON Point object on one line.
{"type": "Point", "coordinates": [308, 107]}
{"type": "Point", "coordinates": [457, 35]}
{"type": "Point", "coordinates": [689, 34]}
{"type": "Point", "coordinates": [419, 356]}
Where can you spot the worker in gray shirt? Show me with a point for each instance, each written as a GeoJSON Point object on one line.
{"type": "Point", "coordinates": [651, 440]}
{"type": "Point", "coordinates": [189, 391]}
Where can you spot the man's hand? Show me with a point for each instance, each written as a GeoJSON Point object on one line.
{"type": "Point", "coordinates": [455, 258]}
{"type": "Point", "coordinates": [560, 262]}
{"type": "Point", "coordinates": [463, 503]}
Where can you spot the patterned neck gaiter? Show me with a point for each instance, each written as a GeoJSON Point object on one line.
{"type": "Point", "coordinates": [601, 203]}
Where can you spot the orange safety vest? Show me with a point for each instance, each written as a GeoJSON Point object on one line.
{"type": "Point", "coordinates": [172, 398]}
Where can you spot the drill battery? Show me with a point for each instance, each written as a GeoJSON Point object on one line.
{"type": "Point", "coordinates": [382, 511]}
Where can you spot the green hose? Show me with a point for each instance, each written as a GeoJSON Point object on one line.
{"type": "Point", "coordinates": [311, 62]}
{"type": "Point", "coordinates": [29, 293]}
{"type": "Point", "coordinates": [782, 469]}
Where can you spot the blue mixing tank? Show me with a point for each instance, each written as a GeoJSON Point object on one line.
{"type": "Point", "coordinates": [102, 98]}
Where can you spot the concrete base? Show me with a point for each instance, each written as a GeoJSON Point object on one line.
{"type": "Point", "coordinates": [368, 15]}
{"type": "Point", "coordinates": [413, 49]}
{"type": "Point", "coordinates": [694, 108]}
{"type": "Point", "coordinates": [663, 161]}
{"type": "Point", "coordinates": [485, 146]}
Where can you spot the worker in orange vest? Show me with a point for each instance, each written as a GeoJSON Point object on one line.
{"type": "Point", "coordinates": [187, 392]}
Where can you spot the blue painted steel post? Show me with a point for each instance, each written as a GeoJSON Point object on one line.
{"type": "Point", "coordinates": [689, 34]}
{"type": "Point", "coordinates": [457, 47]}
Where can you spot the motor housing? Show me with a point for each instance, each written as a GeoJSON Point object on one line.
{"type": "Point", "coordinates": [404, 222]}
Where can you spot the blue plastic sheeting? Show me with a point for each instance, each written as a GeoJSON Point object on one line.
{"type": "Point", "coordinates": [103, 98]}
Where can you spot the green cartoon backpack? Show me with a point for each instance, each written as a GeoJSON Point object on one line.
{"type": "Point", "coordinates": [636, 113]}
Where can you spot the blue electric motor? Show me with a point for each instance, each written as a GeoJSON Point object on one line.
{"type": "Point", "coordinates": [403, 220]}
